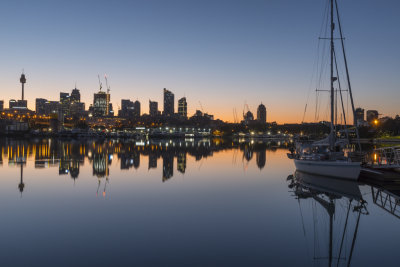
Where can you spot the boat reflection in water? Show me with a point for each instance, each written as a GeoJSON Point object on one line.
{"type": "Point", "coordinates": [330, 211]}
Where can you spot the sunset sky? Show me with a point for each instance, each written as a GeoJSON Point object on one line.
{"type": "Point", "coordinates": [222, 53]}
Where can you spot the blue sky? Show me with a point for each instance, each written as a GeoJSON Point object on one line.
{"type": "Point", "coordinates": [221, 53]}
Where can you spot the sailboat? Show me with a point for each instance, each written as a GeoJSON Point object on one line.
{"type": "Point", "coordinates": [326, 157]}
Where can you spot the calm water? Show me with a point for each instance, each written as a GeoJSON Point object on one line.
{"type": "Point", "coordinates": [193, 203]}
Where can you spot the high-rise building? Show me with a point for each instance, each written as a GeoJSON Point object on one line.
{"type": "Point", "coordinates": [40, 106]}
{"type": "Point", "coordinates": [110, 110]}
{"type": "Point", "coordinates": [52, 107]}
{"type": "Point", "coordinates": [75, 96]}
{"type": "Point", "coordinates": [182, 107]}
{"type": "Point", "coordinates": [358, 116]}
{"type": "Point", "coordinates": [262, 113]}
{"type": "Point", "coordinates": [77, 109]}
{"type": "Point", "coordinates": [169, 103]}
{"type": "Point", "coordinates": [136, 109]}
{"type": "Point", "coordinates": [153, 108]}
{"type": "Point", "coordinates": [1, 105]}
{"type": "Point", "coordinates": [372, 115]}
{"type": "Point", "coordinates": [126, 108]}
{"type": "Point", "coordinates": [101, 102]}
{"type": "Point", "coordinates": [65, 101]}
{"type": "Point", "coordinates": [129, 109]}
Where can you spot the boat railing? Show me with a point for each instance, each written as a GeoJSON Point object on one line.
{"type": "Point", "coordinates": [386, 157]}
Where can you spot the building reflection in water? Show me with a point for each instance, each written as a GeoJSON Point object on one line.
{"type": "Point", "coordinates": [70, 155]}
{"type": "Point", "coordinates": [153, 161]}
{"type": "Point", "coordinates": [261, 158]}
{"type": "Point", "coordinates": [168, 166]}
{"type": "Point", "coordinates": [181, 162]}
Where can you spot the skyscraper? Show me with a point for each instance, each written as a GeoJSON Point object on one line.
{"type": "Point", "coordinates": [136, 109]}
{"type": "Point", "coordinates": [262, 113]}
{"type": "Point", "coordinates": [126, 108]}
{"type": "Point", "coordinates": [182, 107]}
{"type": "Point", "coordinates": [77, 109]}
{"type": "Point", "coordinates": [101, 102]}
{"type": "Point", "coordinates": [65, 101]}
{"type": "Point", "coordinates": [358, 116]}
{"type": "Point", "coordinates": [75, 96]}
{"type": "Point", "coordinates": [129, 109]}
{"type": "Point", "coordinates": [1, 105]}
{"type": "Point", "coordinates": [153, 108]}
{"type": "Point", "coordinates": [40, 106]}
{"type": "Point", "coordinates": [169, 103]}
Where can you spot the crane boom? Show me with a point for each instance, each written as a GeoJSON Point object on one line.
{"type": "Point", "coordinates": [101, 86]}
{"type": "Point", "coordinates": [108, 87]}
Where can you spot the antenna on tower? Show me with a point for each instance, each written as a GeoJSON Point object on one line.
{"type": "Point", "coordinates": [100, 84]}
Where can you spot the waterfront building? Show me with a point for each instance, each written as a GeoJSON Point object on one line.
{"type": "Point", "coordinates": [372, 115]}
{"type": "Point", "coordinates": [22, 104]}
{"type": "Point", "coordinates": [12, 103]}
{"type": "Point", "coordinates": [168, 103]}
{"type": "Point", "coordinates": [262, 113]}
{"type": "Point", "coordinates": [182, 107]}
{"type": "Point", "coordinates": [40, 106]}
{"type": "Point", "coordinates": [153, 108]}
{"type": "Point", "coordinates": [358, 116]}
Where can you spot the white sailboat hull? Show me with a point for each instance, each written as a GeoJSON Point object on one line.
{"type": "Point", "coordinates": [338, 169]}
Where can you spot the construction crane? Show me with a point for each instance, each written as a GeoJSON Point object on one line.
{"type": "Point", "coordinates": [108, 87]}
{"type": "Point", "coordinates": [235, 117]}
{"type": "Point", "coordinates": [245, 108]}
{"type": "Point", "coordinates": [201, 106]}
{"type": "Point", "coordinates": [100, 84]}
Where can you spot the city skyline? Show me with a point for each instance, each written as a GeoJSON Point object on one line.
{"type": "Point", "coordinates": [222, 54]}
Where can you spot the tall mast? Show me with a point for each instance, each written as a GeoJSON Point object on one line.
{"type": "Point", "coordinates": [332, 80]}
